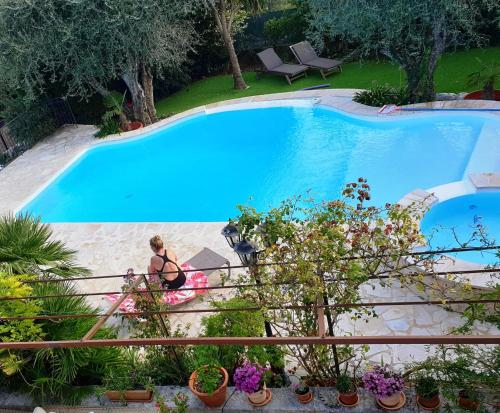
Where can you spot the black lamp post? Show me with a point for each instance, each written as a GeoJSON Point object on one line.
{"type": "Point", "coordinates": [247, 251]}
{"type": "Point", "coordinates": [231, 234]}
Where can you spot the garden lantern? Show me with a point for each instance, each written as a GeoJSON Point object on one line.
{"type": "Point", "coordinates": [231, 234]}
{"type": "Point", "coordinates": [247, 251]}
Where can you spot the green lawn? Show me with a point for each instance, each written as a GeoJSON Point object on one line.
{"type": "Point", "coordinates": [450, 76]}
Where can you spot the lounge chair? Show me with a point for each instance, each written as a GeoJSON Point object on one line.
{"type": "Point", "coordinates": [274, 65]}
{"type": "Point", "coordinates": [307, 56]}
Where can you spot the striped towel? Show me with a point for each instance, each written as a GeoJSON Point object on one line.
{"type": "Point", "coordinates": [194, 279]}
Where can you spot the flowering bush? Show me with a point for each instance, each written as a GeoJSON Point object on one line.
{"type": "Point", "coordinates": [249, 378]}
{"type": "Point", "coordinates": [382, 382]}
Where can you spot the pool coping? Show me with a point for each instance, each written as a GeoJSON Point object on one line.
{"type": "Point", "coordinates": [336, 99]}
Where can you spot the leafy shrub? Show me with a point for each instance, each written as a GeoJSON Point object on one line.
{"type": "Point", "coordinates": [22, 330]}
{"type": "Point", "coordinates": [109, 126]}
{"type": "Point", "coordinates": [129, 374]}
{"type": "Point", "coordinates": [114, 111]}
{"type": "Point", "coordinates": [53, 373]}
{"type": "Point", "coordinates": [236, 324]}
{"type": "Point", "coordinates": [427, 387]}
{"type": "Point", "coordinates": [380, 95]}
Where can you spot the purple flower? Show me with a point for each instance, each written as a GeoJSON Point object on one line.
{"type": "Point", "coordinates": [249, 378]}
{"type": "Point", "coordinates": [382, 382]}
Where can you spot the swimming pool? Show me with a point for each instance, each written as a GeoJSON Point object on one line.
{"type": "Point", "coordinates": [455, 220]}
{"type": "Point", "coordinates": [200, 168]}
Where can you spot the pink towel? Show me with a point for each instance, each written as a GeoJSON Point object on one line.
{"type": "Point", "coordinates": [194, 279]}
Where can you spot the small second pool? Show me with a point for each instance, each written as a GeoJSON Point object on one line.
{"type": "Point", "coordinates": [459, 220]}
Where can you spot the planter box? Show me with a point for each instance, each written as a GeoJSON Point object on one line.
{"type": "Point", "coordinates": [130, 395]}
{"type": "Point", "coordinates": [478, 95]}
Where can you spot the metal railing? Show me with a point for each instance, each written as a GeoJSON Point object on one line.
{"type": "Point", "coordinates": [33, 125]}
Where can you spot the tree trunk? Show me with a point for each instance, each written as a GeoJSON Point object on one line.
{"type": "Point", "coordinates": [225, 30]}
{"type": "Point", "coordinates": [139, 105]}
{"type": "Point", "coordinates": [489, 91]}
{"type": "Point", "coordinates": [147, 84]}
{"type": "Point", "coordinates": [420, 83]}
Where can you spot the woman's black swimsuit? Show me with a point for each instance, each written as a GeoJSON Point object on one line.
{"type": "Point", "coordinates": [179, 280]}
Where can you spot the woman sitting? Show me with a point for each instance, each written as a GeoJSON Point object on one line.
{"type": "Point", "coordinates": [164, 264]}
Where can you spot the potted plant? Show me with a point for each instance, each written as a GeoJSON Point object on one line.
{"type": "Point", "coordinates": [250, 378]}
{"type": "Point", "coordinates": [427, 392]}
{"type": "Point", "coordinates": [129, 382]}
{"type": "Point", "coordinates": [180, 400]}
{"type": "Point", "coordinates": [303, 392]}
{"type": "Point", "coordinates": [386, 386]}
{"type": "Point", "coordinates": [209, 384]}
{"type": "Point", "coordinates": [348, 395]}
{"type": "Point", "coordinates": [485, 77]}
{"type": "Point", "coordinates": [468, 399]}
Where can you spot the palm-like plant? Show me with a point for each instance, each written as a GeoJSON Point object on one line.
{"type": "Point", "coordinates": [53, 374]}
{"type": "Point", "coordinates": [26, 248]}
{"type": "Point", "coordinates": [485, 77]}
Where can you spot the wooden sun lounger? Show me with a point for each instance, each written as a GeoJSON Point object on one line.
{"type": "Point", "coordinates": [274, 65]}
{"type": "Point", "coordinates": [307, 56]}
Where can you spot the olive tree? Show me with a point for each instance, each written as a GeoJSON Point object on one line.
{"type": "Point", "coordinates": [84, 44]}
{"type": "Point", "coordinates": [413, 34]}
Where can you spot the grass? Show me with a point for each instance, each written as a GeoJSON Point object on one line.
{"type": "Point", "coordinates": [450, 76]}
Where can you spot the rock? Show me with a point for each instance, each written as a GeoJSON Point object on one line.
{"type": "Point", "coordinates": [423, 316]}
{"type": "Point", "coordinates": [398, 325]}
{"type": "Point", "coordinates": [447, 96]}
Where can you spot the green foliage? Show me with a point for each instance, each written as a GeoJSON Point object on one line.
{"type": "Point", "coordinates": [180, 400]}
{"type": "Point", "coordinates": [53, 373]}
{"type": "Point", "coordinates": [413, 34]}
{"type": "Point", "coordinates": [236, 324]}
{"type": "Point", "coordinates": [316, 238]}
{"type": "Point", "coordinates": [379, 95]}
{"type": "Point", "coordinates": [22, 330]}
{"type": "Point", "coordinates": [208, 378]}
{"type": "Point", "coordinates": [111, 118]}
{"type": "Point", "coordinates": [465, 367]}
{"type": "Point", "coordinates": [26, 247]}
{"type": "Point", "coordinates": [109, 126]}
{"type": "Point", "coordinates": [31, 125]}
{"type": "Point", "coordinates": [131, 373]}
{"type": "Point", "coordinates": [451, 76]}
{"type": "Point", "coordinates": [344, 384]}
{"type": "Point", "coordinates": [426, 386]}
{"type": "Point", "coordinates": [486, 78]}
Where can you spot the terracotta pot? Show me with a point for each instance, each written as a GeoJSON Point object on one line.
{"type": "Point", "coordinates": [391, 401]}
{"type": "Point", "coordinates": [465, 402]}
{"type": "Point", "coordinates": [218, 397]}
{"type": "Point", "coordinates": [478, 95]}
{"type": "Point", "coordinates": [304, 398]}
{"type": "Point", "coordinates": [130, 395]}
{"type": "Point", "coordinates": [431, 403]}
{"type": "Point", "coordinates": [349, 399]}
{"type": "Point", "coordinates": [258, 397]}
{"type": "Point", "coordinates": [132, 126]}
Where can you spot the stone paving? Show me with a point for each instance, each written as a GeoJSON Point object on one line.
{"type": "Point", "coordinates": [111, 248]}
{"type": "Point", "coordinates": [283, 401]}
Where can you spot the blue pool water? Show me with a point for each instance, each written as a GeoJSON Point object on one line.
{"type": "Point", "coordinates": [199, 169]}
{"type": "Point", "coordinates": [458, 218]}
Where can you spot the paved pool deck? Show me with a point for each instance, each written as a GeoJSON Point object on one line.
{"type": "Point", "coordinates": [111, 248]}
